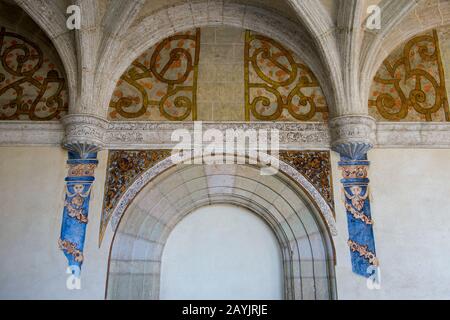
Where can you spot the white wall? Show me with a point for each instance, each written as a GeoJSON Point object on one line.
{"type": "Point", "coordinates": [31, 204]}
{"type": "Point", "coordinates": [221, 252]}
{"type": "Point", "coordinates": [411, 208]}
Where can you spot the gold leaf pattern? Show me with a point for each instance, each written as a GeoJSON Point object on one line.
{"type": "Point", "coordinates": [30, 85]}
{"type": "Point", "coordinates": [278, 86]}
{"type": "Point", "coordinates": [410, 85]}
{"type": "Point", "coordinates": [162, 83]}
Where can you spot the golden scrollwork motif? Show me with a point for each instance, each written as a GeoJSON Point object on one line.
{"type": "Point", "coordinates": [30, 85]}
{"type": "Point", "coordinates": [410, 85]}
{"type": "Point", "coordinates": [162, 83]}
{"type": "Point", "coordinates": [277, 85]}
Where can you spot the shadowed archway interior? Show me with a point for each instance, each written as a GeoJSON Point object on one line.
{"type": "Point", "coordinates": [306, 247]}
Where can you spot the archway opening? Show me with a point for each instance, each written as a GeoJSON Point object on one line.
{"type": "Point", "coordinates": [174, 193]}
{"type": "Point", "coordinates": [222, 252]}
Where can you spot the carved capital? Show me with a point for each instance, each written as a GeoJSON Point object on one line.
{"type": "Point", "coordinates": [84, 133]}
{"type": "Point", "coordinates": [352, 136]}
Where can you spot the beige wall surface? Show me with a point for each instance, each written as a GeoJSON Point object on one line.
{"type": "Point", "coordinates": [221, 74]}
{"type": "Point", "coordinates": [31, 204]}
{"type": "Point", "coordinates": [410, 205]}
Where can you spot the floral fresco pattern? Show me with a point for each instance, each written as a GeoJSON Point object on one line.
{"type": "Point", "coordinates": [410, 85]}
{"type": "Point", "coordinates": [162, 83]}
{"type": "Point", "coordinates": [123, 167]}
{"type": "Point", "coordinates": [315, 166]}
{"type": "Point", "coordinates": [278, 86]}
{"type": "Point", "coordinates": [31, 85]}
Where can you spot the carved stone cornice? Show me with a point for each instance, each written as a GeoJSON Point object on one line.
{"type": "Point", "coordinates": [145, 135]}
{"type": "Point", "coordinates": [353, 136]}
{"type": "Point", "coordinates": [294, 136]}
{"type": "Point", "coordinates": [84, 133]}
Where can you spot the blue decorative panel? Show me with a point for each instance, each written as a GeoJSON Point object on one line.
{"type": "Point", "coordinates": [76, 206]}
{"type": "Point", "coordinates": [357, 204]}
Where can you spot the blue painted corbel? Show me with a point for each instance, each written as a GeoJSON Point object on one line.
{"type": "Point", "coordinates": [355, 187]}
{"type": "Point", "coordinates": [76, 206]}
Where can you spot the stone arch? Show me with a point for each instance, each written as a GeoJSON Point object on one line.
{"type": "Point", "coordinates": [174, 191]}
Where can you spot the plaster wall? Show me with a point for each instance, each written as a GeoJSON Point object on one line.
{"type": "Point", "coordinates": [410, 206]}
{"type": "Point", "coordinates": [227, 253]}
{"type": "Point", "coordinates": [31, 204]}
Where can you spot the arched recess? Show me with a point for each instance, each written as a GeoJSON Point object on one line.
{"type": "Point", "coordinates": [167, 193]}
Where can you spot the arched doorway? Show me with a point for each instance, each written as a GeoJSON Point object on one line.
{"type": "Point", "coordinates": [222, 252]}
{"type": "Point", "coordinates": [150, 217]}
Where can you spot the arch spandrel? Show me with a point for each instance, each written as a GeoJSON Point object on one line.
{"type": "Point", "coordinates": [138, 175]}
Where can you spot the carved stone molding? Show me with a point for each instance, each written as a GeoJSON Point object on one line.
{"type": "Point", "coordinates": [413, 135]}
{"type": "Point", "coordinates": [84, 133]}
{"type": "Point", "coordinates": [294, 136]}
{"type": "Point", "coordinates": [352, 135]}
{"type": "Point", "coordinates": [145, 135]}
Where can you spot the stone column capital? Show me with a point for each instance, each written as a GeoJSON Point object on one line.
{"type": "Point", "coordinates": [352, 136]}
{"type": "Point", "coordinates": [84, 133]}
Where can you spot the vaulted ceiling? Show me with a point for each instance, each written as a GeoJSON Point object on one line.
{"type": "Point", "coordinates": [329, 35]}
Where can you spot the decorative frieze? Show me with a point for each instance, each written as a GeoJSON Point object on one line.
{"type": "Point", "coordinates": [149, 135]}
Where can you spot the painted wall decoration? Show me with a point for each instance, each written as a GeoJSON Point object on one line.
{"type": "Point", "coordinates": [76, 206]}
{"type": "Point", "coordinates": [123, 167]}
{"type": "Point", "coordinates": [278, 86]}
{"type": "Point", "coordinates": [315, 166]}
{"type": "Point", "coordinates": [162, 83]}
{"type": "Point", "coordinates": [410, 85]}
{"type": "Point", "coordinates": [31, 84]}
{"type": "Point", "coordinates": [355, 184]}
